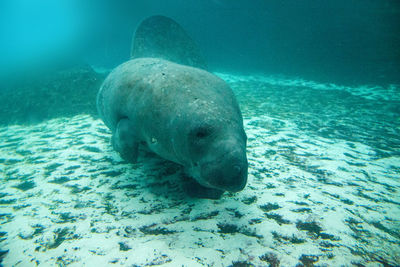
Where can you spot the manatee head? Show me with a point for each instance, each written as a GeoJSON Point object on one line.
{"type": "Point", "coordinates": [212, 141]}
{"type": "Point", "coordinates": [218, 155]}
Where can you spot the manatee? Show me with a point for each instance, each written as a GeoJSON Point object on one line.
{"type": "Point", "coordinates": [164, 100]}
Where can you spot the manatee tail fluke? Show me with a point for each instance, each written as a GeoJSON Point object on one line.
{"type": "Point", "coordinates": [162, 37]}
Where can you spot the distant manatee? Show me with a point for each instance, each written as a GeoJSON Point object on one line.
{"type": "Point", "coordinates": [165, 100]}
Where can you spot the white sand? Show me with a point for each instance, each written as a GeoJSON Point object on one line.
{"type": "Point", "coordinates": [308, 199]}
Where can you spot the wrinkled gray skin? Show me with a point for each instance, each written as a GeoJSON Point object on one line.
{"type": "Point", "coordinates": [183, 114]}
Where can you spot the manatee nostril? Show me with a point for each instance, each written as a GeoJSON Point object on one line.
{"type": "Point", "coordinates": [229, 174]}
{"type": "Point", "coordinates": [231, 178]}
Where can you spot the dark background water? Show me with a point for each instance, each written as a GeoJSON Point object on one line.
{"type": "Point", "coordinates": [344, 41]}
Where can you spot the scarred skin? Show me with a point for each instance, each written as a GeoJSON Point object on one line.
{"type": "Point", "coordinates": [183, 114]}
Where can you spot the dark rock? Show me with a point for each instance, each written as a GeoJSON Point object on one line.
{"type": "Point", "coordinates": [123, 246]}
{"type": "Point", "coordinates": [241, 264]}
{"type": "Point", "coordinates": [311, 227]}
{"type": "Point", "coordinates": [270, 206]}
{"type": "Point", "coordinates": [271, 258]}
{"type": "Point", "coordinates": [226, 228]}
{"type": "Point", "coordinates": [308, 260]}
{"type": "Point", "coordinates": [150, 230]}
{"type": "Point", "coordinates": [27, 185]}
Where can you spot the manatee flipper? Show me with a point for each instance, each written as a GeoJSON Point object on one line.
{"type": "Point", "coordinates": [194, 189]}
{"type": "Point", "coordinates": [124, 142]}
{"type": "Point", "coordinates": [162, 37]}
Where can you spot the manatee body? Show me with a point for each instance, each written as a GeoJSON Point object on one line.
{"type": "Point", "coordinates": [183, 114]}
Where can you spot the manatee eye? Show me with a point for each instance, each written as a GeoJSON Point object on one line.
{"type": "Point", "coordinates": [199, 139]}
{"type": "Point", "coordinates": [202, 132]}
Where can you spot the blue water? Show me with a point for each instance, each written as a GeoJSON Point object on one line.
{"type": "Point", "coordinates": [347, 41]}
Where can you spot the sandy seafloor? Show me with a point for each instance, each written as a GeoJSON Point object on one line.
{"type": "Point", "coordinates": [323, 188]}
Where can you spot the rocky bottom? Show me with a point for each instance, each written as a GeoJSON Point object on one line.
{"type": "Point", "coordinates": [323, 190]}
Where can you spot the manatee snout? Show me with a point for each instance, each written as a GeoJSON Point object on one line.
{"type": "Point", "coordinates": [227, 172]}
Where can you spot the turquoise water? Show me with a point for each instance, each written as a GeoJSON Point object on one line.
{"type": "Point", "coordinates": [321, 110]}
{"type": "Point", "coordinates": [323, 188]}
